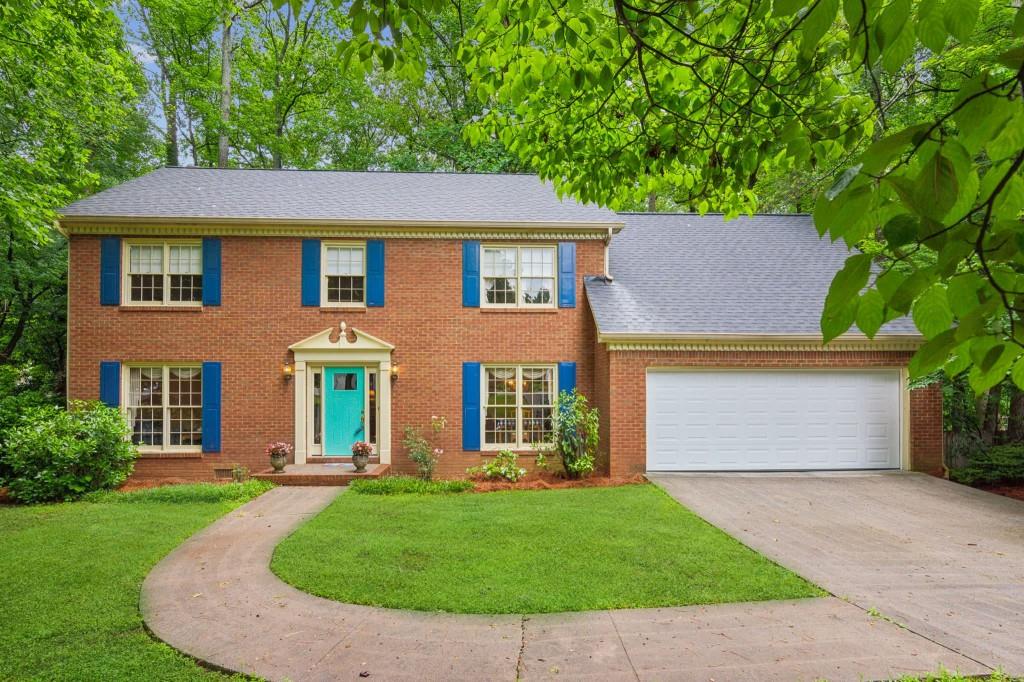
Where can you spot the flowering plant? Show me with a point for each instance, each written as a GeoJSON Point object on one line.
{"type": "Point", "coordinates": [279, 448]}
{"type": "Point", "coordinates": [361, 447]}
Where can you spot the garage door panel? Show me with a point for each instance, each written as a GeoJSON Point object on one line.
{"type": "Point", "coordinates": [772, 420]}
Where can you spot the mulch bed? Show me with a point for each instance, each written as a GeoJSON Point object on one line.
{"type": "Point", "coordinates": [4, 498]}
{"type": "Point", "coordinates": [536, 481]}
{"type": "Point", "coordinates": [1014, 490]}
{"type": "Point", "coordinates": [142, 484]}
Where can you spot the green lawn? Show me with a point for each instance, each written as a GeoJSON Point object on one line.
{"type": "Point", "coordinates": [525, 552]}
{"type": "Point", "coordinates": [71, 575]}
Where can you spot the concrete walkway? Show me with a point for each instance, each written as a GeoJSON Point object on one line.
{"type": "Point", "coordinates": [943, 559]}
{"type": "Point", "coordinates": [215, 599]}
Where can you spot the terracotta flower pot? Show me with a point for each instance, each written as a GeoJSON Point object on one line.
{"type": "Point", "coordinates": [360, 462]}
{"type": "Point", "coordinates": [278, 461]}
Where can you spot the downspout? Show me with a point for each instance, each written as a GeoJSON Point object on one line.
{"type": "Point", "coordinates": [607, 258]}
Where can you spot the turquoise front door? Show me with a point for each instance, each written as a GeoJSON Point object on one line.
{"type": "Point", "coordinates": [344, 405]}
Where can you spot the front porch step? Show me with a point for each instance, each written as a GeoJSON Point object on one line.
{"type": "Point", "coordinates": [321, 474]}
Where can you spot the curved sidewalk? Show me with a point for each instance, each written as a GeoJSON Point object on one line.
{"type": "Point", "coordinates": [215, 599]}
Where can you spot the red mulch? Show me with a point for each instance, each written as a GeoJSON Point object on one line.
{"type": "Point", "coordinates": [142, 484]}
{"type": "Point", "coordinates": [534, 481]}
{"type": "Point", "coordinates": [4, 499]}
{"type": "Point", "coordinates": [1014, 490]}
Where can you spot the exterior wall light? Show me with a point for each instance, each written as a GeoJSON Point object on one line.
{"type": "Point", "coordinates": [288, 371]}
{"type": "Point", "coordinates": [394, 372]}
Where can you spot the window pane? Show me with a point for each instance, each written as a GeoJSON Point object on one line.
{"type": "Point", "coordinates": [344, 289]}
{"type": "Point", "coordinates": [344, 261]}
{"type": "Point", "coordinates": [538, 291]}
{"type": "Point", "coordinates": [187, 288]}
{"type": "Point", "coordinates": [185, 260]}
{"type": "Point", "coordinates": [145, 260]}
{"type": "Point", "coordinates": [145, 405]}
{"type": "Point", "coordinates": [500, 290]}
{"type": "Point", "coordinates": [536, 425]}
{"type": "Point", "coordinates": [501, 386]}
{"type": "Point", "coordinates": [537, 262]}
{"type": "Point", "coordinates": [184, 399]}
{"type": "Point", "coordinates": [500, 425]}
{"type": "Point", "coordinates": [317, 402]}
{"type": "Point", "coordinates": [499, 262]}
{"type": "Point", "coordinates": [371, 379]}
{"type": "Point", "coordinates": [146, 288]}
{"type": "Point", "coordinates": [538, 396]}
{"type": "Point", "coordinates": [500, 416]}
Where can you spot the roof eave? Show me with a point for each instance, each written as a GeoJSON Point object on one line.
{"type": "Point", "coordinates": [68, 223]}
{"type": "Point", "coordinates": [712, 341]}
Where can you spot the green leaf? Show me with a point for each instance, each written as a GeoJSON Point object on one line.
{"type": "Point", "coordinates": [932, 355]}
{"type": "Point", "coordinates": [936, 188]}
{"type": "Point", "coordinates": [931, 29]}
{"type": "Point", "coordinates": [960, 16]}
{"type": "Point", "coordinates": [1017, 373]}
{"type": "Point", "coordinates": [843, 181]}
{"type": "Point", "coordinates": [909, 290]}
{"type": "Point", "coordinates": [962, 293]}
{"type": "Point", "coordinates": [1018, 23]}
{"type": "Point", "coordinates": [816, 24]}
{"type": "Point", "coordinates": [993, 366]}
{"type": "Point", "coordinates": [901, 229]}
{"type": "Point", "coordinates": [851, 279]}
{"type": "Point", "coordinates": [870, 313]}
{"type": "Point", "coordinates": [881, 153]}
{"type": "Point", "coordinates": [957, 363]}
{"type": "Point", "coordinates": [784, 8]}
{"type": "Point", "coordinates": [931, 312]}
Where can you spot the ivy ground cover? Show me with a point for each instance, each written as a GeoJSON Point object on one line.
{"type": "Point", "coordinates": [525, 552]}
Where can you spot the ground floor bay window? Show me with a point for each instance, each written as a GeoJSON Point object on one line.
{"type": "Point", "coordinates": [518, 400]}
{"type": "Point", "coordinates": [164, 406]}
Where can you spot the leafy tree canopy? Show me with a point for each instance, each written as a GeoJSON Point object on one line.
{"type": "Point", "coordinates": [908, 112]}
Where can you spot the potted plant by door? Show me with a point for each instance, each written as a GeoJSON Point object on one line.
{"type": "Point", "coordinates": [361, 455]}
{"type": "Point", "coordinates": [278, 453]}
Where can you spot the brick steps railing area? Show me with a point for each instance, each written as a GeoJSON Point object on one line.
{"type": "Point", "coordinates": [326, 474]}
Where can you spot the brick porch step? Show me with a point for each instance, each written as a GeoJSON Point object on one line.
{"type": "Point", "coordinates": [321, 474]}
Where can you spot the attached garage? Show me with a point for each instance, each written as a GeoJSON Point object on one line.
{"type": "Point", "coordinates": [773, 420]}
{"type": "Point", "coordinates": [709, 356]}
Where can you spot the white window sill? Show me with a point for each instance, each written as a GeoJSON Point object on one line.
{"type": "Point", "coordinates": [514, 309]}
{"type": "Point", "coordinates": [152, 307]}
{"type": "Point", "coordinates": [190, 453]}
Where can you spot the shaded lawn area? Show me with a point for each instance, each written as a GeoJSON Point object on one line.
{"type": "Point", "coordinates": [526, 552]}
{"type": "Point", "coordinates": [72, 574]}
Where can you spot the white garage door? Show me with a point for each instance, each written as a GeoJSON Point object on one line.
{"type": "Point", "coordinates": [772, 420]}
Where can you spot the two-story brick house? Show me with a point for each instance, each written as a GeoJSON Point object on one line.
{"type": "Point", "coordinates": [225, 309]}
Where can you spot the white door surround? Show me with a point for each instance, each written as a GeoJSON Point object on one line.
{"type": "Point", "coordinates": [775, 419]}
{"type": "Point", "coordinates": [350, 347]}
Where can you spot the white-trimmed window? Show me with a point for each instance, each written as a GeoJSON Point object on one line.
{"type": "Point", "coordinates": [344, 274]}
{"type": "Point", "coordinates": [518, 276]}
{"type": "Point", "coordinates": [163, 273]}
{"type": "Point", "coordinates": [518, 400]}
{"type": "Point", "coordinates": [164, 405]}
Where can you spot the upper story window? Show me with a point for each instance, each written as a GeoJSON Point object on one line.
{"type": "Point", "coordinates": [344, 274]}
{"type": "Point", "coordinates": [164, 273]}
{"type": "Point", "coordinates": [164, 406]}
{"type": "Point", "coordinates": [519, 276]}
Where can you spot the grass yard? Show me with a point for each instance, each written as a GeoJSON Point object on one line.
{"type": "Point", "coordinates": [525, 552]}
{"type": "Point", "coordinates": [72, 574]}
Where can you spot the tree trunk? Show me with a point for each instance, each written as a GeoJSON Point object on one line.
{"type": "Point", "coordinates": [225, 91]}
{"type": "Point", "coordinates": [171, 115]}
{"type": "Point", "coordinates": [1015, 427]}
{"type": "Point", "coordinates": [652, 202]}
{"type": "Point", "coordinates": [991, 422]}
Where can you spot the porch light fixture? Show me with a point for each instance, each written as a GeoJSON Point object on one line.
{"type": "Point", "coordinates": [394, 372]}
{"type": "Point", "coordinates": [288, 370]}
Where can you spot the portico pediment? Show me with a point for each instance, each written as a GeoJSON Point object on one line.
{"type": "Point", "coordinates": [342, 342]}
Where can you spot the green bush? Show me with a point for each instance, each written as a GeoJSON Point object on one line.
{"type": "Point", "coordinates": [400, 485]}
{"type": "Point", "coordinates": [575, 433]}
{"type": "Point", "coordinates": [21, 389]}
{"type": "Point", "coordinates": [188, 493]}
{"type": "Point", "coordinates": [54, 454]}
{"type": "Point", "coordinates": [997, 464]}
{"type": "Point", "coordinates": [505, 465]}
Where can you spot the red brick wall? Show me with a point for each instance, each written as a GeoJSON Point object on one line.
{"type": "Point", "coordinates": [261, 316]}
{"type": "Point", "coordinates": [626, 422]}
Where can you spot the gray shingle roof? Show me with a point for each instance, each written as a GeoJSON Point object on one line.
{"type": "Point", "coordinates": [688, 274]}
{"type": "Point", "coordinates": [337, 195]}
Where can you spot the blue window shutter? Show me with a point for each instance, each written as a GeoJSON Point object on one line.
{"type": "Point", "coordinates": [375, 273]}
{"type": "Point", "coordinates": [471, 406]}
{"type": "Point", "coordinates": [566, 274]}
{"type": "Point", "coordinates": [566, 376]}
{"type": "Point", "coordinates": [311, 272]}
{"type": "Point", "coordinates": [211, 271]}
{"type": "Point", "coordinates": [211, 406]}
{"type": "Point", "coordinates": [471, 276]}
{"type": "Point", "coordinates": [110, 383]}
{"type": "Point", "coordinates": [110, 271]}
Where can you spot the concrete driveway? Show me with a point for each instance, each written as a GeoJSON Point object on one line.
{"type": "Point", "coordinates": [944, 560]}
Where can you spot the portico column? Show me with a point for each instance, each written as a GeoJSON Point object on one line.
{"type": "Point", "coordinates": [301, 428]}
{"type": "Point", "coordinates": [384, 428]}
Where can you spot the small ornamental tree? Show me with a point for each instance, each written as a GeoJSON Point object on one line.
{"type": "Point", "coordinates": [54, 454]}
{"type": "Point", "coordinates": [575, 433]}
